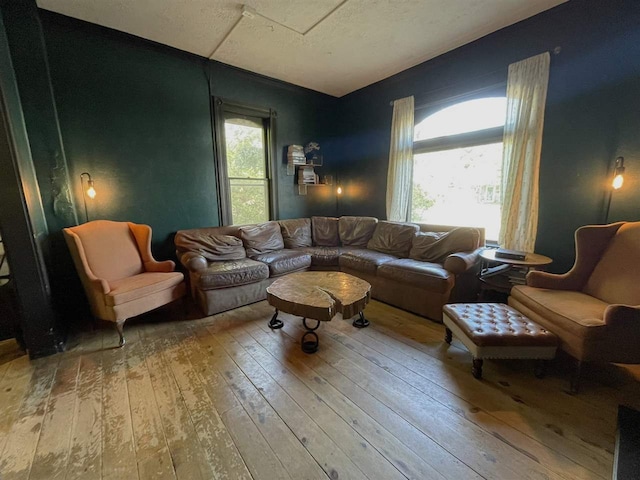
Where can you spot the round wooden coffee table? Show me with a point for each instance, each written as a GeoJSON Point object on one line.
{"type": "Point", "coordinates": [318, 296]}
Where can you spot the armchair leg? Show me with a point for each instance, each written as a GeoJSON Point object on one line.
{"type": "Point", "coordinates": [574, 385]}
{"type": "Point", "coordinates": [120, 329]}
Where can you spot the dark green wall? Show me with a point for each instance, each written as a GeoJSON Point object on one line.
{"type": "Point", "coordinates": [136, 115]}
{"type": "Point", "coordinates": [592, 116]}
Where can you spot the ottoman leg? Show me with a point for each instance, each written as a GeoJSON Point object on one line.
{"type": "Point", "coordinates": [476, 368]}
{"type": "Point", "coordinates": [448, 336]}
{"type": "Point", "coordinates": [540, 368]}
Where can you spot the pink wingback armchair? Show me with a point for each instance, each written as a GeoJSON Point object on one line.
{"type": "Point", "coordinates": [595, 307]}
{"type": "Point", "coordinates": [118, 272]}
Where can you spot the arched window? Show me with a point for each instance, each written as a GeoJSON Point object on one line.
{"type": "Point", "coordinates": [457, 165]}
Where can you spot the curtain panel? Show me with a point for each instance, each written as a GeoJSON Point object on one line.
{"type": "Point", "coordinates": [400, 174]}
{"type": "Point", "coordinates": [526, 97]}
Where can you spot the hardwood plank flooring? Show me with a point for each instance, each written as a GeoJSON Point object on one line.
{"type": "Point", "coordinates": [227, 397]}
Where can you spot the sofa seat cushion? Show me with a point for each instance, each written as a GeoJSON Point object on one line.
{"type": "Point", "coordinates": [393, 238]}
{"type": "Point", "coordinates": [141, 285]}
{"type": "Point", "coordinates": [363, 260]}
{"type": "Point", "coordinates": [296, 232]}
{"type": "Point", "coordinates": [284, 261]}
{"type": "Point", "coordinates": [430, 276]}
{"type": "Point", "coordinates": [231, 274]}
{"type": "Point", "coordinates": [326, 256]}
{"type": "Point", "coordinates": [574, 312]}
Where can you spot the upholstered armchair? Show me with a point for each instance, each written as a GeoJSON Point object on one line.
{"type": "Point", "coordinates": [118, 272]}
{"type": "Point", "coordinates": [595, 307]}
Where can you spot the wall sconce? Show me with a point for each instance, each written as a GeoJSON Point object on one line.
{"type": "Point", "coordinates": [616, 184]}
{"type": "Point", "coordinates": [90, 191]}
{"type": "Point", "coordinates": [618, 174]}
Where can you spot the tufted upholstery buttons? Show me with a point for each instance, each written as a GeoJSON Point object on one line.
{"type": "Point", "coordinates": [496, 324]}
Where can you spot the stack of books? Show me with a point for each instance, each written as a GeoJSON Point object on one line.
{"type": "Point", "coordinates": [295, 155]}
{"type": "Point", "coordinates": [518, 275]}
{"type": "Point", "coordinates": [307, 176]}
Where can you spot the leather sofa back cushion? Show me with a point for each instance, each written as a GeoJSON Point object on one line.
{"type": "Point", "coordinates": [615, 277]}
{"type": "Point", "coordinates": [393, 238]}
{"type": "Point", "coordinates": [436, 246]}
{"type": "Point", "coordinates": [296, 232]}
{"type": "Point", "coordinates": [214, 248]}
{"type": "Point", "coordinates": [325, 231]}
{"type": "Point", "coordinates": [263, 238]}
{"type": "Point", "coordinates": [356, 231]}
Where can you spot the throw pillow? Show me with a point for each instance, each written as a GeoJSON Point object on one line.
{"type": "Point", "coordinates": [436, 246]}
{"type": "Point", "coordinates": [356, 231]}
{"type": "Point", "coordinates": [325, 231]}
{"type": "Point", "coordinates": [296, 232]}
{"type": "Point", "coordinates": [263, 238]}
{"type": "Point", "coordinates": [393, 238]}
{"type": "Point", "coordinates": [214, 248]}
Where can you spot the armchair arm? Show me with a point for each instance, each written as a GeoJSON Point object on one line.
{"type": "Point", "coordinates": [142, 234]}
{"type": "Point", "coordinates": [193, 261]}
{"type": "Point", "coordinates": [462, 262]}
{"type": "Point", "coordinates": [623, 315]}
{"type": "Point", "coordinates": [82, 265]}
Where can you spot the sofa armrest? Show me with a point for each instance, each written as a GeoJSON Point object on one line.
{"type": "Point", "coordinates": [462, 262]}
{"type": "Point", "coordinates": [193, 261]}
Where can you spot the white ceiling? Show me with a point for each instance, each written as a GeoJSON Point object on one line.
{"type": "Point", "coordinates": [332, 46]}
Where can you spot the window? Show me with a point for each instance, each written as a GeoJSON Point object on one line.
{"type": "Point", "coordinates": [244, 139]}
{"type": "Point", "coordinates": [457, 165]}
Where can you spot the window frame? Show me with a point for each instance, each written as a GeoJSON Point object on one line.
{"type": "Point", "coordinates": [221, 110]}
{"type": "Point", "coordinates": [461, 140]}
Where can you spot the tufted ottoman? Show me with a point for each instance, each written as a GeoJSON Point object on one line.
{"type": "Point", "coordinates": [495, 330]}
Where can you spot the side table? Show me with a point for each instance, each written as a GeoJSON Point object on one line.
{"type": "Point", "coordinates": [498, 278]}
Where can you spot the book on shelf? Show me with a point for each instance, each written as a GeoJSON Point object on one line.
{"type": "Point", "coordinates": [510, 254]}
{"type": "Point", "coordinates": [307, 176]}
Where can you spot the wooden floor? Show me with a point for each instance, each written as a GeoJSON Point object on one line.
{"type": "Point", "coordinates": [225, 397]}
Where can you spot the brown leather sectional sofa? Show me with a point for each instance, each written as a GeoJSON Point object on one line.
{"type": "Point", "coordinates": [416, 267]}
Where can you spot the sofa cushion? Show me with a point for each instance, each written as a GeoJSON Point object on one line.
{"type": "Point", "coordinates": [284, 261]}
{"type": "Point", "coordinates": [213, 247]}
{"type": "Point", "coordinates": [296, 232]}
{"type": "Point", "coordinates": [325, 231]}
{"type": "Point", "coordinates": [436, 246]}
{"type": "Point", "coordinates": [231, 274]}
{"type": "Point", "coordinates": [326, 256]}
{"type": "Point", "coordinates": [356, 231]}
{"type": "Point", "coordinates": [363, 260]}
{"type": "Point", "coordinates": [263, 238]}
{"type": "Point", "coordinates": [138, 286]}
{"type": "Point", "coordinates": [393, 238]}
{"type": "Point", "coordinates": [430, 276]}
{"type": "Point", "coordinates": [575, 312]}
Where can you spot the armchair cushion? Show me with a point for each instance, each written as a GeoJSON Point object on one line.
{"type": "Point", "coordinates": [142, 285]}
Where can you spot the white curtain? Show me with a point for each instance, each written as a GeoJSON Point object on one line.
{"type": "Point", "coordinates": [400, 173]}
{"type": "Point", "coordinates": [526, 96]}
